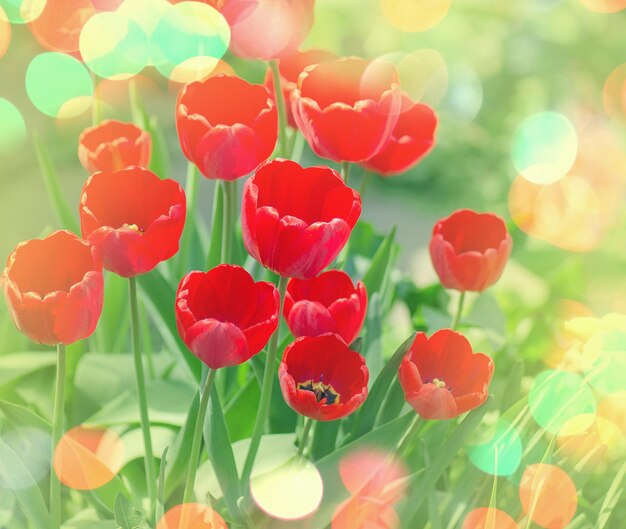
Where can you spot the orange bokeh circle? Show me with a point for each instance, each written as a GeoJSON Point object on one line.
{"type": "Point", "coordinates": [87, 458]}
{"type": "Point", "coordinates": [60, 23]}
{"type": "Point", "coordinates": [548, 496]}
{"type": "Point", "coordinates": [191, 516]}
{"type": "Point", "coordinates": [488, 518]}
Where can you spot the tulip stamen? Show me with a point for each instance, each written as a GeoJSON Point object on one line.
{"type": "Point", "coordinates": [321, 390]}
{"type": "Point", "coordinates": [439, 383]}
{"type": "Point", "coordinates": [133, 227]}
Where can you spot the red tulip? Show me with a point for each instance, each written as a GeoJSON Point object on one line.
{"type": "Point", "coordinates": [267, 29]}
{"type": "Point", "coordinates": [326, 303]}
{"type": "Point", "coordinates": [295, 221]}
{"type": "Point", "coordinates": [113, 145]}
{"type": "Point", "coordinates": [347, 108]}
{"type": "Point", "coordinates": [133, 218]}
{"type": "Point", "coordinates": [226, 126]}
{"type": "Point", "coordinates": [442, 378]}
{"type": "Point", "coordinates": [223, 316]}
{"type": "Point", "coordinates": [290, 67]}
{"type": "Point", "coordinates": [469, 250]}
{"type": "Point", "coordinates": [322, 378]}
{"type": "Point", "coordinates": [412, 138]}
{"type": "Point", "coordinates": [54, 288]}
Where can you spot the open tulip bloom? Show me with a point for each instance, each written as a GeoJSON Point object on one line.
{"type": "Point", "coordinates": [442, 378]}
{"type": "Point", "coordinates": [296, 220]}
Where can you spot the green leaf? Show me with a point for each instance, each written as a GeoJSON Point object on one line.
{"type": "Point", "coordinates": [220, 452]}
{"type": "Point", "coordinates": [181, 447]}
{"type": "Point", "coordinates": [21, 417]}
{"type": "Point", "coordinates": [214, 256]}
{"type": "Point", "coordinates": [160, 298]}
{"type": "Point", "coordinates": [128, 516]}
{"type": "Point", "coordinates": [613, 495]}
{"type": "Point", "coordinates": [30, 499]}
{"type": "Point", "coordinates": [241, 410]}
{"type": "Point", "coordinates": [88, 519]}
{"type": "Point", "coordinates": [168, 402]}
{"type": "Point", "coordinates": [160, 159]}
{"type": "Point", "coordinates": [65, 215]}
{"type": "Point", "coordinates": [366, 416]}
{"type": "Point", "coordinates": [16, 365]}
{"type": "Point", "coordinates": [379, 269]}
{"type": "Point", "coordinates": [373, 337]}
{"type": "Point", "coordinates": [105, 495]}
{"type": "Point", "coordinates": [441, 461]}
{"type": "Point", "coordinates": [324, 438]}
{"type": "Point", "coordinates": [160, 507]}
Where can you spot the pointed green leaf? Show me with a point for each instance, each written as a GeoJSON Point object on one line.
{"type": "Point", "coordinates": [14, 471]}
{"type": "Point", "coordinates": [159, 297]}
{"type": "Point", "coordinates": [160, 159]}
{"type": "Point", "coordinates": [366, 416]}
{"type": "Point", "coordinates": [127, 516]}
{"type": "Point", "coordinates": [65, 215]}
{"type": "Point", "coordinates": [380, 266]}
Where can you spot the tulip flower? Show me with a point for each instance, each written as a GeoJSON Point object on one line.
{"type": "Point", "coordinates": [133, 218]}
{"type": "Point", "coordinates": [267, 29]}
{"type": "Point", "coordinates": [112, 146]}
{"type": "Point", "coordinates": [290, 67]}
{"type": "Point", "coordinates": [442, 378]}
{"type": "Point", "coordinates": [347, 109]}
{"type": "Point", "coordinates": [226, 126]}
{"type": "Point", "coordinates": [322, 378]}
{"type": "Point", "coordinates": [295, 221]}
{"type": "Point", "coordinates": [223, 316]}
{"type": "Point", "coordinates": [469, 250]}
{"type": "Point", "coordinates": [326, 303]}
{"type": "Point", "coordinates": [54, 288]}
{"type": "Point", "coordinates": [411, 139]}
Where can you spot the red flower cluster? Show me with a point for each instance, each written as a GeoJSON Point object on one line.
{"type": "Point", "coordinates": [322, 378]}
{"type": "Point", "coordinates": [226, 126]}
{"type": "Point", "coordinates": [54, 288]}
{"type": "Point", "coordinates": [223, 316]}
{"type": "Point", "coordinates": [469, 250]}
{"type": "Point", "coordinates": [133, 218]}
{"type": "Point", "coordinates": [326, 303]}
{"type": "Point", "coordinates": [442, 378]}
{"type": "Point", "coordinates": [295, 221]}
{"type": "Point", "coordinates": [113, 145]}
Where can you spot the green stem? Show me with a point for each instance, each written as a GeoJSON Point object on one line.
{"type": "Point", "coordinates": [407, 441]}
{"type": "Point", "coordinates": [228, 225]}
{"type": "Point", "coordinates": [367, 176]}
{"type": "Point", "coordinates": [141, 392]}
{"type": "Point", "coordinates": [266, 395]}
{"type": "Point", "coordinates": [191, 192]}
{"type": "Point", "coordinates": [197, 437]}
{"type": "Point", "coordinates": [459, 312]}
{"type": "Point", "coordinates": [282, 111]}
{"type": "Point", "coordinates": [57, 430]}
{"type": "Point", "coordinates": [345, 171]}
{"type": "Point", "coordinates": [308, 423]}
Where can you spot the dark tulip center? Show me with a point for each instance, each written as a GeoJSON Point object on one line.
{"type": "Point", "coordinates": [321, 391]}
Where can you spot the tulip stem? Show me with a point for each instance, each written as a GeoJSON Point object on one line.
{"type": "Point", "coordinates": [57, 430]}
{"type": "Point", "coordinates": [459, 311]}
{"type": "Point", "coordinates": [191, 192]}
{"type": "Point", "coordinates": [308, 424]}
{"type": "Point", "coordinates": [197, 436]}
{"type": "Point", "coordinates": [367, 176]}
{"type": "Point", "coordinates": [228, 226]}
{"type": "Point", "coordinates": [141, 392]}
{"type": "Point", "coordinates": [266, 395]}
{"type": "Point", "coordinates": [280, 107]}
{"type": "Point", "coordinates": [406, 443]}
{"type": "Point", "coordinates": [345, 171]}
